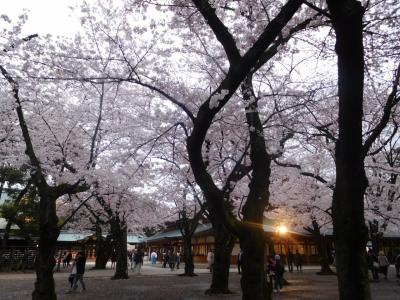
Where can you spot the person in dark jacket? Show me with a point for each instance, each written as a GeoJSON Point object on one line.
{"type": "Point", "coordinates": [113, 259]}
{"type": "Point", "coordinates": [290, 260]}
{"type": "Point", "coordinates": [68, 259]}
{"type": "Point", "coordinates": [372, 263]}
{"type": "Point", "coordinates": [138, 260]}
{"type": "Point", "coordinates": [172, 258]}
{"type": "Point", "coordinates": [278, 271]}
{"type": "Point", "coordinates": [80, 270]}
{"type": "Point", "coordinates": [165, 259]}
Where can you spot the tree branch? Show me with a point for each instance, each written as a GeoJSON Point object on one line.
{"type": "Point", "coordinates": [74, 212]}
{"type": "Point", "coordinates": [221, 32]}
{"type": "Point", "coordinates": [391, 101]}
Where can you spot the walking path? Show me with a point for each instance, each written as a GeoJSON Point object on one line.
{"type": "Point", "coordinates": [156, 283]}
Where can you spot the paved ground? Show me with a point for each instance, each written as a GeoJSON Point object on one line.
{"type": "Point", "coordinates": [156, 283]}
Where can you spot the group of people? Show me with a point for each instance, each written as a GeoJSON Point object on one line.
{"type": "Point", "coordinates": [275, 269]}
{"type": "Point", "coordinates": [66, 259]}
{"type": "Point", "coordinates": [296, 260]}
{"type": "Point", "coordinates": [172, 259]}
{"type": "Point", "coordinates": [379, 264]}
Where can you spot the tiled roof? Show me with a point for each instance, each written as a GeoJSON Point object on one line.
{"type": "Point", "coordinates": [73, 236]}
{"type": "Point", "coordinates": [135, 239]}
{"type": "Point", "coordinates": [175, 234]}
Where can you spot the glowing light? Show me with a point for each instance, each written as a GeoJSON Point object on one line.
{"type": "Point", "coordinates": [282, 229]}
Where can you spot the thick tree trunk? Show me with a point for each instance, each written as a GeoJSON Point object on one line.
{"type": "Point", "coordinates": [120, 235]}
{"type": "Point", "coordinates": [251, 234]}
{"type": "Point", "coordinates": [322, 250]}
{"type": "Point", "coordinates": [103, 250]}
{"type": "Point", "coordinates": [49, 231]}
{"type": "Point", "coordinates": [350, 232]}
{"type": "Point", "coordinates": [253, 282]}
{"type": "Point", "coordinates": [375, 236]}
{"type": "Point", "coordinates": [224, 242]}
{"type": "Point", "coordinates": [189, 263]}
{"type": "Point", "coordinates": [45, 261]}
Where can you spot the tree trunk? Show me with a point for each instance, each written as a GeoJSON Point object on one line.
{"type": "Point", "coordinates": [251, 235]}
{"type": "Point", "coordinates": [103, 250]}
{"type": "Point", "coordinates": [322, 250]}
{"type": "Point", "coordinates": [45, 261]}
{"type": "Point", "coordinates": [350, 232]}
{"type": "Point", "coordinates": [189, 263]}
{"type": "Point", "coordinates": [120, 235]}
{"type": "Point", "coordinates": [4, 241]}
{"type": "Point", "coordinates": [253, 282]}
{"type": "Point", "coordinates": [375, 236]}
{"type": "Point", "coordinates": [224, 242]}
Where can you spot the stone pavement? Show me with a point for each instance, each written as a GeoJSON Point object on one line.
{"type": "Point", "coordinates": [156, 283]}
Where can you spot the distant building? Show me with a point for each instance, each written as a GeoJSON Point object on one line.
{"type": "Point", "coordinates": [203, 241]}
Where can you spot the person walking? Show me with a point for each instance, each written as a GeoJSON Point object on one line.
{"type": "Point", "coordinates": [71, 277]}
{"type": "Point", "coordinates": [165, 259]}
{"type": "Point", "coordinates": [130, 258]}
{"type": "Point", "coordinates": [69, 258]}
{"type": "Point", "coordinates": [138, 261]}
{"type": "Point", "coordinates": [64, 259]}
{"type": "Point", "coordinates": [178, 259]}
{"type": "Point", "coordinates": [210, 260]}
{"type": "Point", "coordinates": [80, 263]}
{"type": "Point", "coordinates": [278, 271]}
{"type": "Point", "coordinates": [113, 258]}
{"type": "Point", "coordinates": [270, 270]}
{"type": "Point", "coordinates": [172, 258]}
{"type": "Point", "coordinates": [290, 259]}
{"type": "Point", "coordinates": [372, 263]}
{"type": "Point", "coordinates": [239, 261]}
{"type": "Point", "coordinates": [383, 264]}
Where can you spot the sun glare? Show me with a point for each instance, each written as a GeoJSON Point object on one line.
{"type": "Point", "coordinates": [282, 229]}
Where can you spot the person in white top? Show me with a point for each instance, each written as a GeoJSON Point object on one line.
{"type": "Point", "coordinates": [153, 257]}
{"type": "Point", "coordinates": [72, 275]}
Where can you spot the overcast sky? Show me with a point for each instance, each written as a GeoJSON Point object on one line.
{"type": "Point", "coordinates": [45, 16]}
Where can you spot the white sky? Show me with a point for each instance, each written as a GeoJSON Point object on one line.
{"type": "Point", "coordinates": [45, 16]}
